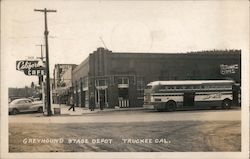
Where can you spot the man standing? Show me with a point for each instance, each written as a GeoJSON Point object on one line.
{"type": "Point", "coordinates": [71, 102]}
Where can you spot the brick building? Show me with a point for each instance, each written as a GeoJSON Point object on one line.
{"type": "Point", "coordinates": [118, 79]}
{"type": "Point", "coordinates": [62, 82]}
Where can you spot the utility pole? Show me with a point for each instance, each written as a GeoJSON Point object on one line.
{"type": "Point", "coordinates": [46, 33]}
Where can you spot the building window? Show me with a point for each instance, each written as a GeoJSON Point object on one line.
{"type": "Point", "coordinates": [85, 82]}
{"type": "Point", "coordinates": [123, 80]}
{"type": "Point", "coordinates": [101, 82]}
{"type": "Point", "coordinates": [140, 86]}
{"type": "Point", "coordinates": [79, 85]}
{"type": "Point", "coordinates": [112, 80]}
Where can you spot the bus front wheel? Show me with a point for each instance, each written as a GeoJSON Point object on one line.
{"type": "Point", "coordinates": [226, 104]}
{"type": "Point", "coordinates": [170, 106]}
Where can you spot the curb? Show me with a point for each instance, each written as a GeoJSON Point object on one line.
{"type": "Point", "coordinates": [86, 111]}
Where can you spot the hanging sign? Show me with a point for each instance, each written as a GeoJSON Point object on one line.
{"type": "Point", "coordinates": [34, 72]}
{"type": "Point", "coordinates": [31, 68]}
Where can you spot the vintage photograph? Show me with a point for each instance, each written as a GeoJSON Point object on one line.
{"type": "Point", "coordinates": [141, 79]}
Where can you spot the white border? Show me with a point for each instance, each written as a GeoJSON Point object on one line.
{"type": "Point", "coordinates": [205, 155]}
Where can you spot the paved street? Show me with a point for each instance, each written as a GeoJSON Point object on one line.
{"type": "Point", "coordinates": [124, 130]}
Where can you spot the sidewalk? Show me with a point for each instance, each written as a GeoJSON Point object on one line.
{"type": "Point", "coordinates": [81, 111]}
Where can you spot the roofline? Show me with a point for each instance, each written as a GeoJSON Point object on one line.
{"type": "Point", "coordinates": [229, 51]}
{"type": "Point", "coordinates": [187, 82]}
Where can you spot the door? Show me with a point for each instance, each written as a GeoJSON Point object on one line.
{"type": "Point", "coordinates": [24, 105]}
{"type": "Point", "coordinates": [188, 100]}
{"type": "Point", "coordinates": [123, 97]}
{"type": "Point", "coordinates": [83, 94]}
{"type": "Point", "coordinates": [102, 98]}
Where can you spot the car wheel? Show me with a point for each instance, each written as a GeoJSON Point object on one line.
{"type": "Point", "coordinates": [226, 104]}
{"type": "Point", "coordinates": [170, 106]}
{"type": "Point", "coordinates": [40, 110]}
{"type": "Point", "coordinates": [14, 111]}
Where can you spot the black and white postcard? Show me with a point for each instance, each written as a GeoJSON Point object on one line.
{"type": "Point", "coordinates": [124, 79]}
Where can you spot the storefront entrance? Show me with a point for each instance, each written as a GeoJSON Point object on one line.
{"type": "Point", "coordinates": [83, 93]}
{"type": "Point", "coordinates": [101, 98]}
{"type": "Point", "coordinates": [123, 97]}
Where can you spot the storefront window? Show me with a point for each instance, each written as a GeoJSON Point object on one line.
{"type": "Point", "coordinates": [101, 82]}
{"type": "Point", "coordinates": [84, 82]}
{"type": "Point", "coordinates": [140, 86]}
{"type": "Point", "coordinates": [123, 80]}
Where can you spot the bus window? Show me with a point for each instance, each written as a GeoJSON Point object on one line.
{"type": "Point", "coordinates": [171, 87]}
{"type": "Point", "coordinates": [197, 87]}
{"type": "Point", "coordinates": [179, 87]}
{"type": "Point", "coordinates": [189, 87]}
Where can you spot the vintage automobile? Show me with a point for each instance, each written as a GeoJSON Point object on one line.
{"type": "Point", "coordinates": [25, 105]}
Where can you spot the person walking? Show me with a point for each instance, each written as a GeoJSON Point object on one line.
{"type": "Point", "coordinates": [71, 102]}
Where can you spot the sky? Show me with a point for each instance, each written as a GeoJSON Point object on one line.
{"type": "Point", "coordinates": [76, 29]}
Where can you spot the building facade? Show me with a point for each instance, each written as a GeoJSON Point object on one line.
{"type": "Point", "coordinates": [107, 79]}
{"type": "Point", "coordinates": [62, 82]}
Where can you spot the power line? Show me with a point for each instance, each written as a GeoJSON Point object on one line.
{"type": "Point", "coordinates": [30, 37]}
{"type": "Point", "coordinates": [103, 42]}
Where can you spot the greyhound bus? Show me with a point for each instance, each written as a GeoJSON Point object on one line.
{"type": "Point", "coordinates": [188, 94]}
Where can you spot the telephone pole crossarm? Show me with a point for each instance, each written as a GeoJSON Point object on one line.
{"type": "Point", "coordinates": [44, 10]}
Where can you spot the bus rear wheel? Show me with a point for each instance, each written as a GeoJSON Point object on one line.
{"type": "Point", "coordinates": [170, 106]}
{"type": "Point", "coordinates": [226, 104]}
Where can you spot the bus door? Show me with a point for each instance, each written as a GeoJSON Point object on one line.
{"type": "Point", "coordinates": [188, 99]}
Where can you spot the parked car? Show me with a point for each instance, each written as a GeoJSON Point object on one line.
{"type": "Point", "coordinates": [24, 105]}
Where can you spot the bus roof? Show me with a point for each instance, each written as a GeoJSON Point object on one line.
{"type": "Point", "coordinates": [190, 82]}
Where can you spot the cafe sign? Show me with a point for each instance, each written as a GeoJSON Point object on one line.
{"type": "Point", "coordinates": [228, 69]}
{"type": "Point", "coordinates": [30, 68]}
{"type": "Point", "coordinates": [34, 72]}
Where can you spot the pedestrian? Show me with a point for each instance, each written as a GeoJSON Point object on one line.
{"type": "Point", "coordinates": [71, 102]}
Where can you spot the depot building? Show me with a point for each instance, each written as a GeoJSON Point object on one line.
{"type": "Point", "coordinates": [108, 79]}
